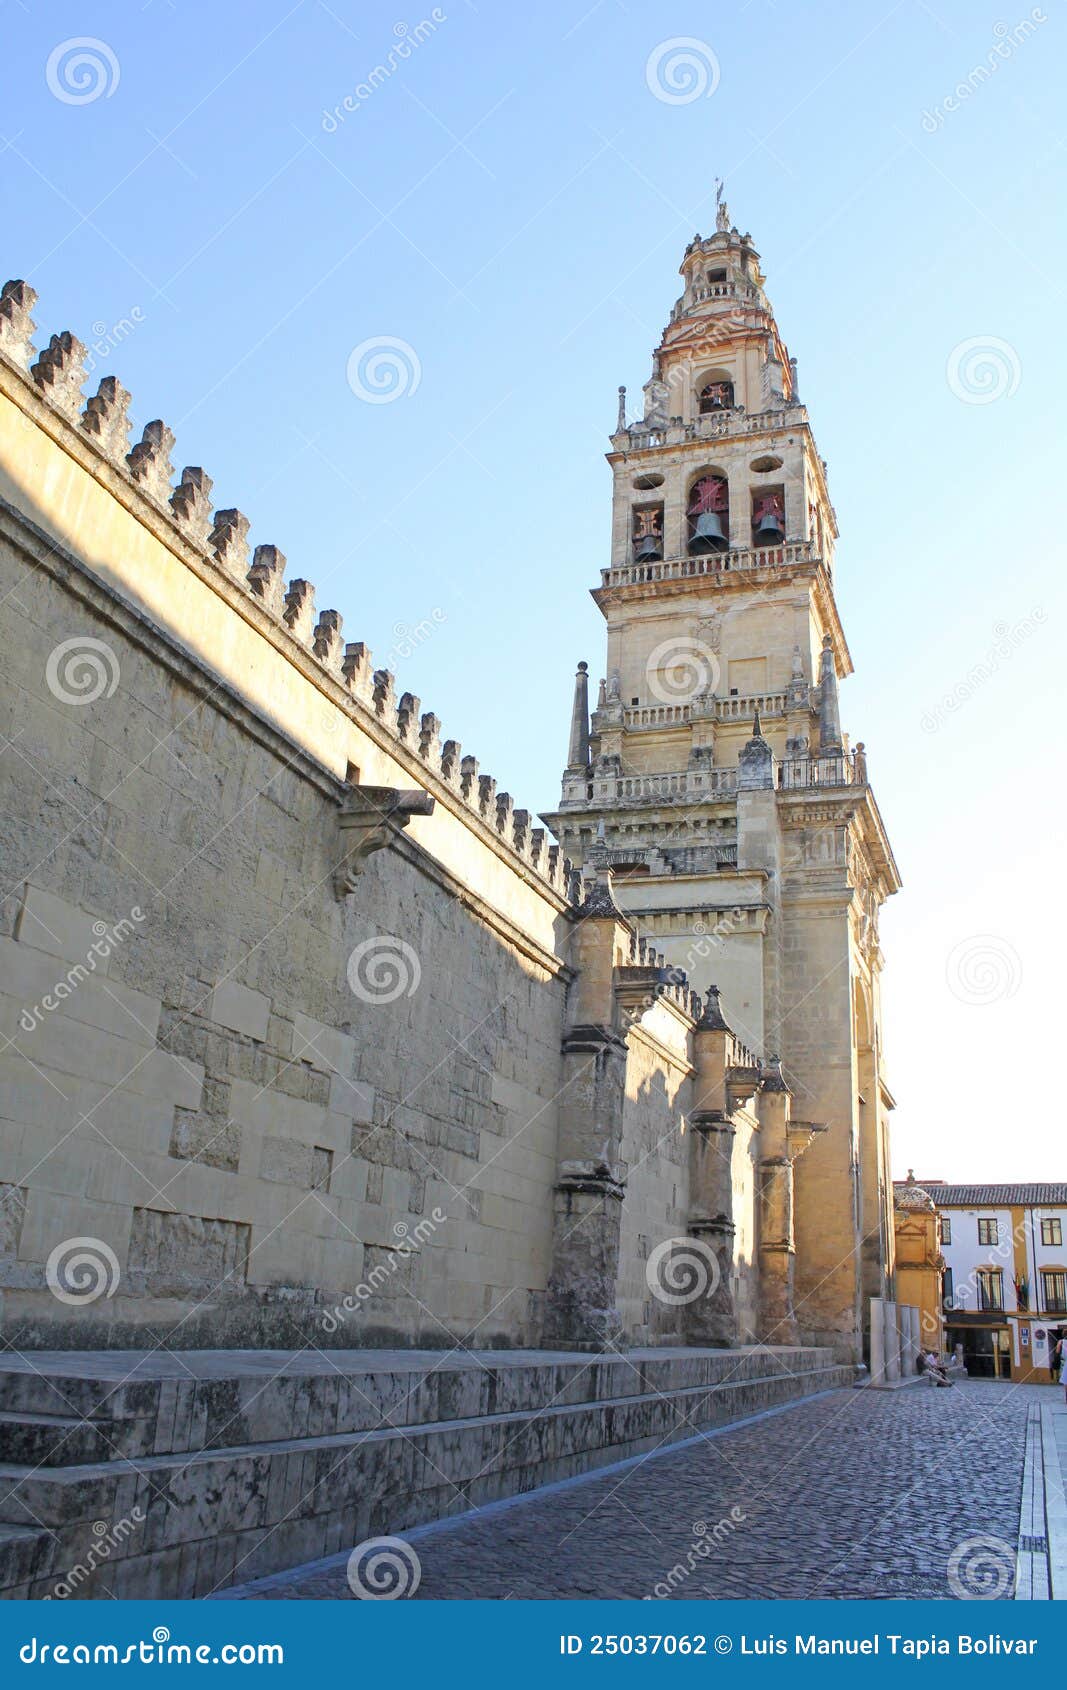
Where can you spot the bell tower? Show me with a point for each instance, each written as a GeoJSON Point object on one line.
{"type": "Point", "coordinates": [713, 776]}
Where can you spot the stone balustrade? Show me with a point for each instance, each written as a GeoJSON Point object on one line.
{"type": "Point", "coordinates": [738, 560]}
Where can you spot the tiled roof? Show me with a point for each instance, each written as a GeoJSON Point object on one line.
{"type": "Point", "coordinates": [995, 1196]}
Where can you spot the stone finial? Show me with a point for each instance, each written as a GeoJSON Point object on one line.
{"type": "Point", "coordinates": [326, 641]}
{"type": "Point", "coordinates": [538, 850]}
{"type": "Point", "coordinates": [712, 1019]}
{"type": "Point", "coordinates": [16, 324]}
{"type": "Point", "coordinates": [266, 578]}
{"type": "Point", "coordinates": [451, 757]}
{"type": "Point", "coordinates": [357, 668]}
{"type": "Point", "coordinates": [60, 373]}
{"type": "Point", "coordinates": [598, 902]}
{"type": "Point", "coordinates": [149, 462]}
{"type": "Point", "coordinates": [621, 421]}
{"type": "Point", "coordinates": [468, 779]}
{"type": "Point", "coordinates": [191, 503]}
{"type": "Point", "coordinates": [771, 1076]}
{"type": "Point", "coordinates": [755, 762]}
{"type": "Point", "coordinates": [860, 763]}
{"type": "Point", "coordinates": [520, 832]}
{"type": "Point", "coordinates": [107, 418]}
{"type": "Point", "coordinates": [299, 611]}
{"type": "Point", "coordinates": [578, 748]}
{"type": "Point", "coordinates": [407, 718]}
{"type": "Point", "coordinates": [829, 708]}
{"type": "Point", "coordinates": [229, 542]}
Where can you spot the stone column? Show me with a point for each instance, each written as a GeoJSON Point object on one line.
{"type": "Point", "coordinates": [878, 1340]}
{"type": "Point", "coordinates": [777, 1245]}
{"type": "Point", "coordinates": [581, 1312]}
{"type": "Point", "coordinates": [892, 1341]}
{"type": "Point", "coordinates": [712, 1318]}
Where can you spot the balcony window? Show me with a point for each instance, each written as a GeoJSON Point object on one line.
{"type": "Point", "coordinates": [1051, 1232]}
{"type": "Point", "coordinates": [990, 1287]}
{"type": "Point", "coordinates": [946, 1229]}
{"type": "Point", "coordinates": [946, 1288]}
{"type": "Point", "coordinates": [987, 1232]}
{"type": "Point", "coordinates": [1054, 1292]}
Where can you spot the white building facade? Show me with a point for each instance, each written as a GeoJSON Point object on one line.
{"type": "Point", "coordinates": [1005, 1281]}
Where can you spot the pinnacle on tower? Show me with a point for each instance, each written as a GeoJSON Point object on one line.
{"type": "Point", "coordinates": [829, 710]}
{"type": "Point", "coordinates": [578, 750]}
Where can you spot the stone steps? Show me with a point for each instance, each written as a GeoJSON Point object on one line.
{"type": "Point", "coordinates": [173, 1485]}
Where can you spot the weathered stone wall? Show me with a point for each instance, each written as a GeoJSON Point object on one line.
{"type": "Point", "coordinates": [236, 1107]}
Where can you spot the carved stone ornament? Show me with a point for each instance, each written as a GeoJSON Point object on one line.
{"type": "Point", "coordinates": [371, 817]}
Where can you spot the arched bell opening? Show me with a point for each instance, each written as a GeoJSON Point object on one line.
{"type": "Point", "coordinates": [716, 393]}
{"type": "Point", "coordinates": [647, 533]}
{"type": "Point", "coordinates": [708, 515]}
{"type": "Point", "coordinates": [768, 516]}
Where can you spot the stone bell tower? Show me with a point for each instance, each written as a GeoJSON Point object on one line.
{"type": "Point", "coordinates": [714, 778]}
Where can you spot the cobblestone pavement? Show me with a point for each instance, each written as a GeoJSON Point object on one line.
{"type": "Point", "coordinates": [854, 1494]}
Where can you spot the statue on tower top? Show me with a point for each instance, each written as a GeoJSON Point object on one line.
{"type": "Point", "coordinates": [722, 213]}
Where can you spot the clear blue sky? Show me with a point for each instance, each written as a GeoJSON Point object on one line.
{"type": "Point", "coordinates": [512, 202]}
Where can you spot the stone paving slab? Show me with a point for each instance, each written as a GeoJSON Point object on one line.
{"type": "Point", "coordinates": [854, 1494]}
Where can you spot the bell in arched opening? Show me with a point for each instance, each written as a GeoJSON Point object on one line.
{"type": "Point", "coordinates": [768, 519]}
{"type": "Point", "coordinates": [709, 515]}
{"type": "Point", "coordinates": [716, 396]}
{"type": "Point", "coordinates": [648, 534]}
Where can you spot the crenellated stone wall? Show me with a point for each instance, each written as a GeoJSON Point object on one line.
{"type": "Point", "coordinates": [309, 1035]}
